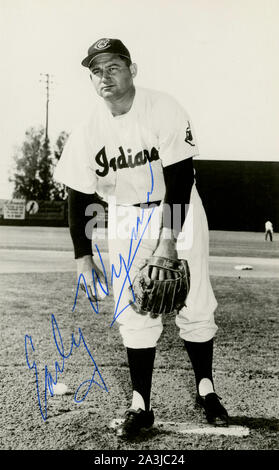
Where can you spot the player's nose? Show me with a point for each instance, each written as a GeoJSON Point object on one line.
{"type": "Point", "coordinates": [105, 81]}
{"type": "Point", "coordinates": [105, 75]}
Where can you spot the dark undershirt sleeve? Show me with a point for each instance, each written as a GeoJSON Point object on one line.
{"type": "Point", "coordinates": [179, 179]}
{"type": "Point", "coordinates": [77, 203]}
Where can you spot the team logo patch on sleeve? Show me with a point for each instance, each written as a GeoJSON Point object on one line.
{"type": "Point", "coordinates": [189, 136]}
{"type": "Point", "coordinates": [102, 44]}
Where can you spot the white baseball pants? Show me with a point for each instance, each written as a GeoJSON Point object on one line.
{"type": "Point", "coordinates": [196, 321]}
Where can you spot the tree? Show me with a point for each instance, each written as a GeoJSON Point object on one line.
{"type": "Point", "coordinates": [60, 143]}
{"type": "Point", "coordinates": [34, 165]}
{"type": "Point", "coordinates": [32, 177]}
{"type": "Point", "coordinates": [59, 191]}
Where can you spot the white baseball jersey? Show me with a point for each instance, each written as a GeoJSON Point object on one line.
{"type": "Point", "coordinates": [109, 155]}
{"type": "Point", "coordinates": [268, 226]}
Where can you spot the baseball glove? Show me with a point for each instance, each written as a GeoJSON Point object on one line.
{"type": "Point", "coordinates": [160, 296]}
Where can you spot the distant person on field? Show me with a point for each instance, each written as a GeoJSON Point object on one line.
{"type": "Point", "coordinates": [268, 230]}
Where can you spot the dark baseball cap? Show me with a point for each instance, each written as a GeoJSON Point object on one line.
{"type": "Point", "coordinates": [105, 45]}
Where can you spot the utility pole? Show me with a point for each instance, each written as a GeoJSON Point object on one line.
{"type": "Point", "coordinates": [47, 81]}
{"type": "Point", "coordinates": [45, 156]}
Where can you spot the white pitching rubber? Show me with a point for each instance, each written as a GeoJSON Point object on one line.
{"type": "Point", "coordinates": [189, 428]}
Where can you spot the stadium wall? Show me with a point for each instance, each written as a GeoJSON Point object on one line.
{"type": "Point", "coordinates": [237, 195]}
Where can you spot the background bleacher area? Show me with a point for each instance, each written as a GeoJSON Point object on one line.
{"type": "Point", "coordinates": [237, 195]}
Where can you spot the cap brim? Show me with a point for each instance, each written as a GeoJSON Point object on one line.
{"type": "Point", "coordinates": [86, 62]}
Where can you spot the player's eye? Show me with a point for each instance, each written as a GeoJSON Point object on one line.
{"type": "Point", "coordinates": [112, 69]}
{"type": "Point", "coordinates": [96, 72]}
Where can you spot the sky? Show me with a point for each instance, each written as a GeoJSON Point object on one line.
{"type": "Point", "coordinates": [219, 58]}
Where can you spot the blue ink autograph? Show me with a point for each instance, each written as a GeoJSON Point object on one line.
{"type": "Point", "coordinates": [122, 263]}
{"type": "Point", "coordinates": [83, 389]}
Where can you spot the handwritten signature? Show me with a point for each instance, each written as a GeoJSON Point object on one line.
{"type": "Point", "coordinates": [83, 389]}
{"type": "Point", "coordinates": [126, 264]}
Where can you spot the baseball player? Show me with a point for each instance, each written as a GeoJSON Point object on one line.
{"type": "Point", "coordinates": [135, 151]}
{"type": "Point", "coordinates": [268, 230]}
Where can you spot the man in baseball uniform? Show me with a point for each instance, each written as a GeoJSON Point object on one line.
{"type": "Point", "coordinates": [135, 151]}
{"type": "Point", "coordinates": [268, 230]}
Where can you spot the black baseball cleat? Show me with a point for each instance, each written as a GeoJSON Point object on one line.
{"type": "Point", "coordinates": [215, 412]}
{"type": "Point", "coordinates": [134, 422]}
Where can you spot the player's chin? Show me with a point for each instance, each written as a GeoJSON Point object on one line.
{"type": "Point", "coordinates": [107, 91]}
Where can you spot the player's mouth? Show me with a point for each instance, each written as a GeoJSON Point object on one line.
{"type": "Point", "coordinates": [107, 87]}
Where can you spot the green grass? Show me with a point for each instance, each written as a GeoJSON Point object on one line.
{"type": "Point", "coordinates": [245, 368]}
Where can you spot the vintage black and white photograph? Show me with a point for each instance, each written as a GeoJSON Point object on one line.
{"type": "Point", "coordinates": [139, 228]}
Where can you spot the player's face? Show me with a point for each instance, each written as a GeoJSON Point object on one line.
{"type": "Point", "coordinates": [111, 76]}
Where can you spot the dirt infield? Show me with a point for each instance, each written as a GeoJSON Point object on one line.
{"type": "Point", "coordinates": [245, 370]}
{"type": "Point", "coordinates": [32, 300]}
{"type": "Point", "coordinates": [49, 249]}
{"type": "Point", "coordinates": [239, 244]}
{"type": "Point", "coordinates": [39, 261]}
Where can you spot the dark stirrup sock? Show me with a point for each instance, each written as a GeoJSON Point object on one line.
{"type": "Point", "coordinates": [141, 362]}
{"type": "Point", "coordinates": [201, 357]}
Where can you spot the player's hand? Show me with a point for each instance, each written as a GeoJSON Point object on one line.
{"type": "Point", "coordinates": [167, 249]}
{"type": "Point", "coordinates": [85, 266]}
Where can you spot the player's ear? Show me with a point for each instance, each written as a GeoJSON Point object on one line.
{"type": "Point", "coordinates": [134, 70]}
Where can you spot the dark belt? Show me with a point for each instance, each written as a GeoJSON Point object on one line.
{"type": "Point", "coordinates": [146, 205]}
